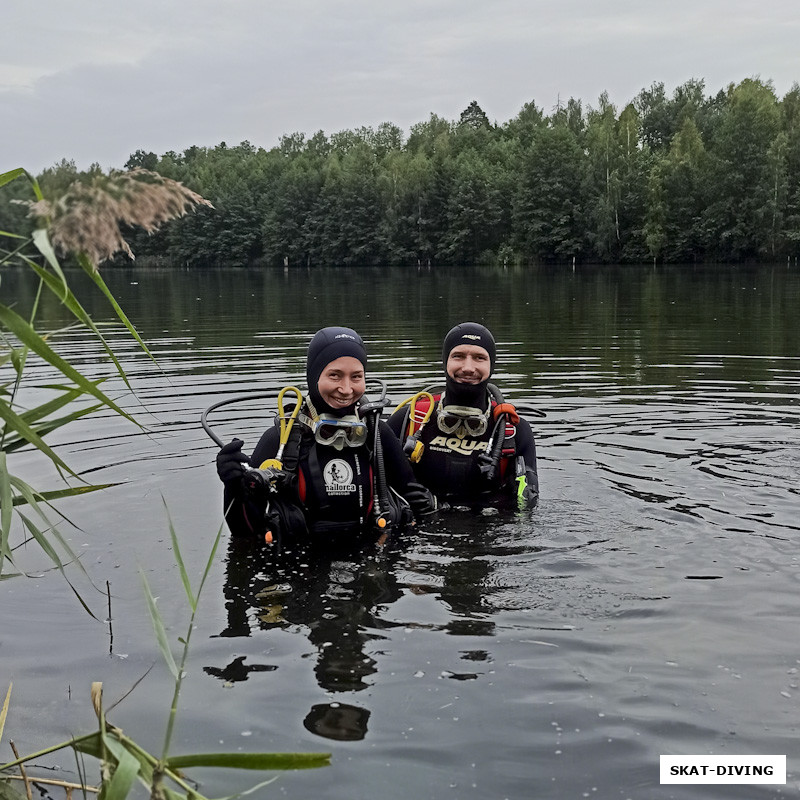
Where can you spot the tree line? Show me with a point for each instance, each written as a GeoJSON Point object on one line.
{"type": "Point", "coordinates": [691, 177]}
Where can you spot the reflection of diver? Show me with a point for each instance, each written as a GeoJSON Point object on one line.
{"type": "Point", "coordinates": [335, 596]}
{"type": "Point", "coordinates": [461, 571]}
{"type": "Point", "coordinates": [337, 721]}
{"type": "Point", "coordinates": [237, 670]}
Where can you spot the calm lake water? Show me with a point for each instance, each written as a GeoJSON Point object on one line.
{"type": "Point", "coordinates": [648, 606]}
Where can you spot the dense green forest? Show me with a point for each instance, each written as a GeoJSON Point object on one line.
{"type": "Point", "coordinates": [683, 178]}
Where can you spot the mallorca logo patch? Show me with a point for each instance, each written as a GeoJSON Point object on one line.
{"type": "Point", "coordinates": [338, 477]}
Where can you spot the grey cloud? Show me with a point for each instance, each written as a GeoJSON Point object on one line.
{"type": "Point", "coordinates": [163, 76]}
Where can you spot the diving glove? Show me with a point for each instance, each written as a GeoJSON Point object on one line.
{"type": "Point", "coordinates": [231, 461]}
{"type": "Point", "coordinates": [527, 484]}
{"type": "Point", "coordinates": [421, 500]}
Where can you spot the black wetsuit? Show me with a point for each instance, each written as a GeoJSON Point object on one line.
{"type": "Point", "coordinates": [333, 488]}
{"type": "Point", "coordinates": [450, 465]}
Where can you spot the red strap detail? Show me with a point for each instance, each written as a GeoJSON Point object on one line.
{"type": "Point", "coordinates": [301, 486]}
{"type": "Point", "coordinates": [506, 408]}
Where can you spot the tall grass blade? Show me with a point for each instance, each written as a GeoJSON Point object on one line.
{"type": "Point", "coordinates": [80, 599]}
{"type": "Point", "coordinates": [12, 174]}
{"type": "Point", "coordinates": [158, 627]}
{"type": "Point", "coordinates": [28, 336]}
{"type": "Point", "coordinates": [6, 511]}
{"type": "Point", "coordinates": [210, 561]}
{"type": "Point", "coordinates": [115, 742]}
{"type": "Point", "coordinates": [97, 278]}
{"type": "Point", "coordinates": [23, 430]}
{"type": "Point", "coordinates": [179, 559]}
{"type": "Point", "coordinates": [59, 494]}
{"type": "Point", "coordinates": [4, 710]}
{"type": "Point", "coordinates": [32, 497]}
{"type": "Point", "coordinates": [41, 539]}
{"type": "Point", "coordinates": [125, 774]}
{"type": "Point", "coordinates": [260, 761]}
{"type": "Point", "coordinates": [74, 742]}
{"type": "Point", "coordinates": [15, 441]}
{"type": "Point", "coordinates": [68, 394]}
{"type": "Point", "coordinates": [42, 241]}
{"type": "Point", "coordinates": [78, 311]}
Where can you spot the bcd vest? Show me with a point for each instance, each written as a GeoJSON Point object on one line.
{"type": "Point", "coordinates": [453, 464]}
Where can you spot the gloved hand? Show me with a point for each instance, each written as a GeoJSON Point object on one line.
{"type": "Point", "coordinates": [421, 500]}
{"type": "Point", "coordinates": [230, 461]}
{"type": "Point", "coordinates": [528, 489]}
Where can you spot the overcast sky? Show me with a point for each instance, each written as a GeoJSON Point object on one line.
{"type": "Point", "coordinates": [95, 80]}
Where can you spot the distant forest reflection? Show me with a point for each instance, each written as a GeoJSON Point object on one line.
{"type": "Point", "coordinates": [643, 325]}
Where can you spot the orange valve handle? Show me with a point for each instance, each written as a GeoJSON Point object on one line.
{"type": "Point", "coordinates": [506, 408]}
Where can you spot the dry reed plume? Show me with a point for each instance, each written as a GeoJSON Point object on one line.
{"type": "Point", "coordinates": [86, 219]}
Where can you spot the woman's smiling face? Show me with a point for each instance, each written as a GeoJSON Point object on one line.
{"type": "Point", "coordinates": [342, 382]}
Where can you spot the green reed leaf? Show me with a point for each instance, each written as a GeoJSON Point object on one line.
{"type": "Point", "coordinates": [23, 430]}
{"type": "Point", "coordinates": [15, 442]}
{"type": "Point", "coordinates": [68, 394]}
{"type": "Point", "coordinates": [158, 627]}
{"type": "Point", "coordinates": [41, 538]}
{"type": "Point", "coordinates": [41, 240]}
{"type": "Point", "coordinates": [72, 491]}
{"type": "Point", "coordinates": [125, 774]}
{"type": "Point", "coordinates": [28, 336]}
{"type": "Point", "coordinates": [4, 710]}
{"type": "Point", "coordinates": [11, 175]}
{"type": "Point", "coordinates": [78, 311]}
{"type": "Point", "coordinates": [101, 284]}
{"type": "Point", "coordinates": [258, 761]}
{"type": "Point", "coordinates": [6, 511]}
{"type": "Point", "coordinates": [187, 586]}
{"type": "Point", "coordinates": [32, 498]}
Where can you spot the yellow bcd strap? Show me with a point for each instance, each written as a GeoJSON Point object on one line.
{"type": "Point", "coordinates": [286, 426]}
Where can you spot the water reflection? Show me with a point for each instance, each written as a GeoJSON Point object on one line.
{"type": "Point", "coordinates": [336, 602]}
{"type": "Point", "coordinates": [339, 721]}
{"type": "Point", "coordinates": [647, 606]}
{"type": "Point", "coordinates": [347, 605]}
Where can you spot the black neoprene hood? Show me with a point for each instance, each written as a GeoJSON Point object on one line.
{"type": "Point", "coordinates": [327, 345]}
{"type": "Point", "coordinates": [475, 334]}
{"type": "Point", "coordinates": [469, 333]}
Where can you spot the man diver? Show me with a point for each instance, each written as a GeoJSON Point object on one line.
{"type": "Point", "coordinates": [338, 467]}
{"type": "Point", "coordinates": [468, 444]}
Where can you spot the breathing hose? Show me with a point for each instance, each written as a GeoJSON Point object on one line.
{"type": "Point", "coordinates": [372, 410]}
{"type": "Point", "coordinates": [228, 402]}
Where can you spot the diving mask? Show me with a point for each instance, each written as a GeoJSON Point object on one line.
{"type": "Point", "coordinates": [473, 421]}
{"type": "Point", "coordinates": [337, 432]}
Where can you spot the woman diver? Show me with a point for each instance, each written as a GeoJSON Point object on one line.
{"type": "Point", "coordinates": [340, 477]}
